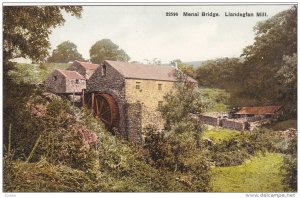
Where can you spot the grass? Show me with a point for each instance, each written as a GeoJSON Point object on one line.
{"type": "Point", "coordinates": [218, 135]}
{"type": "Point", "coordinates": [34, 73]}
{"type": "Point", "coordinates": [258, 174]}
{"type": "Point", "coordinates": [218, 99]}
{"type": "Point", "coordinates": [283, 125]}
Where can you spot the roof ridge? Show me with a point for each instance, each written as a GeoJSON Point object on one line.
{"type": "Point", "coordinates": [69, 71]}
{"type": "Point", "coordinates": [145, 71]}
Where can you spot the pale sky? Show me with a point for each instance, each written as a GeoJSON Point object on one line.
{"type": "Point", "coordinates": [145, 32]}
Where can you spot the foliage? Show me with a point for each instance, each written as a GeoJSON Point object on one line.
{"type": "Point", "coordinates": [271, 59]}
{"type": "Point", "coordinates": [287, 76]}
{"type": "Point", "coordinates": [177, 148]}
{"type": "Point", "coordinates": [64, 53]}
{"type": "Point", "coordinates": [45, 69]}
{"type": "Point", "coordinates": [43, 176]}
{"type": "Point", "coordinates": [216, 99]}
{"type": "Point", "coordinates": [177, 153]}
{"type": "Point", "coordinates": [266, 72]}
{"type": "Point", "coordinates": [32, 73]}
{"type": "Point", "coordinates": [289, 167]}
{"type": "Point", "coordinates": [61, 160]}
{"type": "Point", "coordinates": [26, 29]}
{"type": "Point", "coordinates": [185, 68]}
{"type": "Point", "coordinates": [218, 73]}
{"type": "Point", "coordinates": [234, 148]}
{"type": "Point", "coordinates": [105, 49]}
{"type": "Point", "coordinates": [284, 125]}
{"type": "Point", "coordinates": [261, 173]}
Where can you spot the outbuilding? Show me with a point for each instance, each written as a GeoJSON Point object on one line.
{"type": "Point", "coordinates": [260, 111]}
{"type": "Point", "coordinates": [65, 82]}
{"type": "Point", "coordinates": [86, 69]}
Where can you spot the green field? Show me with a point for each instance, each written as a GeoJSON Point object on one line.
{"type": "Point", "coordinates": [258, 174]}
{"type": "Point", "coordinates": [218, 135]}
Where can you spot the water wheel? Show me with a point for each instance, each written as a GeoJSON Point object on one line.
{"type": "Point", "coordinates": [104, 107]}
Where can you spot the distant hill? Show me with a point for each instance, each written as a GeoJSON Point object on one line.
{"type": "Point", "coordinates": [196, 64]}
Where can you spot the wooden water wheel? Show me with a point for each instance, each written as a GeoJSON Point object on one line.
{"type": "Point", "coordinates": [104, 107]}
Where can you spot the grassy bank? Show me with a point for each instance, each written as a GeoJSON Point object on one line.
{"type": "Point", "coordinates": [258, 174]}
{"type": "Point", "coordinates": [218, 135]}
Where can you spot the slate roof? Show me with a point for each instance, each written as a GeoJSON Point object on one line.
{"type": "Point", "coordinates": [259, 110]}
{"type": "Point", "coordinates": [145, 71]}
{"type": "Point", "coordinates": [87, 65]}
{"type": "Point", "coordinates": [70, 74]}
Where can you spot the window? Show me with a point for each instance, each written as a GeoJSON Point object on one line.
{"type": "Point", "coordinates": [138, 85]}
{"type": "Point", "coordinates": [103, 70]}
{"type": "Point", "coordinates": [159, 86]}
{"type": "Point", "coordinates": [54, 78]}
{"type": "Point", "coordinates": [160, 104]}
{"type": "Point", "coordinates": [77, 81]}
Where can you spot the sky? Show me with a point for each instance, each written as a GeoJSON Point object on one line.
{"type": "Point", "coordinates": [145, 32]}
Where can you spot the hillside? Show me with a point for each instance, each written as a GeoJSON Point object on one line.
{"type": "Point", "coordinates": [52, 146]}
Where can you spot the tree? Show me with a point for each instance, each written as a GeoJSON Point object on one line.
{"type": "Point", "coordinates": [187, 69]}
{"type": "Point", "coordinates": [105, 49]}
{"type": "Point", "coordinates": [276, 39]}
{"type": "Point", "coordinates": [64, 53]}
{"type": "Point", "coordinates": [290, 166]}
{"type": "Point", "coordinates": [219, 73]}
{"type": "Point", "coordinates": [178, 147]}
{"type": "Point", "coordinates": [26, 29]}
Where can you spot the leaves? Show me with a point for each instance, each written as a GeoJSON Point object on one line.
{"type": "Point", "coordinates": [26, 29]}
{"type": "Point", "coordinates": [105, 49]}
{"type": "Point", "coordinates": [64, 53]}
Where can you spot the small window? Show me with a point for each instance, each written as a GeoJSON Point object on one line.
{"type": "Point", "coordinates": [160, 104]}
{"type": "Point", "coordinates": [138, 85]}
{"type": "Point", "coordinates": [77, 81]}
{"type": "Point", "coordinates": [103, 70]}
{"type": "Point", "coordinates": [54, 78]}
{"type": "Point", "coordinates": [159, 86]}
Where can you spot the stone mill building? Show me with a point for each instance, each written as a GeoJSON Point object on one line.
{"type": "Point", "coordinates": [125, 96]}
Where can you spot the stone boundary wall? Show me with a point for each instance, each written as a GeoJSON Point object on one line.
{"type": "Point", "coordinates": [225, 123]}
{"type": "Point", "coordinates": [230, 124]}
{"type": "Point", "coordinates": [209, 120]}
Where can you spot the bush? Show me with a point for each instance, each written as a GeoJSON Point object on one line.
{"type": "Point", "coordinates": [234, 151]}
{"type": "Point", "coordinates": [290, 166]}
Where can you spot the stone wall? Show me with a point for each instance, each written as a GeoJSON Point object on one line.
{"type": "Point", "coordinates": [209, 120]}
{"type": "Point", "coordinates": [56, 82]}
{"type": "Point", "coordinates": [231, 124]}
{"type": "Point", "coordinates": [111, 81]}
{"type": "Point", "coordinates": [134, 122]}
{"type": "Point", "coordinates": [87, 73]}
{"type": "Point", "coordinates": [75, 85]}
{"type": "Point", "coordinates": [77, 67]}
{"type": "Point", "coordinates": [225, 123]}
{"type": "Point", "coordinates": [113, 84]}
{"type": "Point", "coordinates": [149, 93]}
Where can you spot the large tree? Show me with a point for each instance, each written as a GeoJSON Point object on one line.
{"type": "Point", "coordinates": [105, 49]}
{"type": "Point", "coordinates": [26, 29]}
{"type": "Point", "coordinates": [65, 52]}
{"type": "Point", "coordinates": [269, 57]}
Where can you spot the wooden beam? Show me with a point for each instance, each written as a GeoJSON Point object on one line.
{"type": "Point", "coordinates": [93, 98]}
{"type": "Point", "coordinates": [82, 97]}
